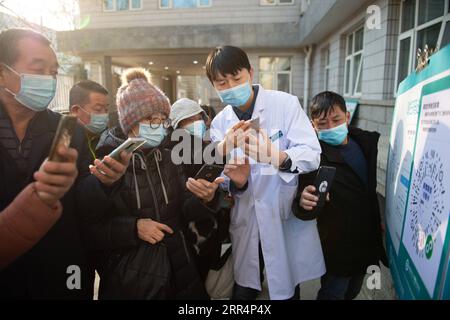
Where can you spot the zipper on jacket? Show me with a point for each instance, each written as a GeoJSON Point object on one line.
{"type": "Point", "coordinates": [155, 200]}
{"type": "Point", "coordinates": [185, 246]}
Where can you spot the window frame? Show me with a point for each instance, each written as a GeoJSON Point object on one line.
{"type": "Point", "coordinates": [285, 4]}
{"type": "Point", "coordinates": [326, 68]}
{"type": "Point", "coordinates": [276, 3]}
{"type": "Point", "coordinates": [109, 10]}
{"type": "Point", "coordinates": [275, 73]}
{"type": "Point", "coordinates": [130, 6]}
{"type": "Point", "coordinates": [198, 6]}
{"type": "Point", "coordinates": [413, 35]}
{"type": "Point", "coordinates": [136, 9]}
{"type": "Point", "coordinates": [353, 85]}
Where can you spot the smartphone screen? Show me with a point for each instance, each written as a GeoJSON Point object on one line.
{"type": "Point", "coordinates": [209, 172]}
{"type": "Point", "coordinates": [131, 145]}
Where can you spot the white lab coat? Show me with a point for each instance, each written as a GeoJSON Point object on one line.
{"type": "Point", "coordinates": [291, 247]}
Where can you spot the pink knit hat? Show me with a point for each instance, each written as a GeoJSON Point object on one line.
{"type": "Point", "coordinates": [138, 99]}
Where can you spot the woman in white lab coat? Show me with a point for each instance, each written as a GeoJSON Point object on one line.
{"type": "Point", "coordinates": [262, 215]}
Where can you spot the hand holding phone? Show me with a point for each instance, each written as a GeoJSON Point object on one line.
{"type": "Point", "coordinates": [206, 182]}
{"type": "Point", "coordinates": [255, 124]}
{"type": "Point", "coordinates": [209, 172]}
{"type": "Point", "coordinates": [129, 146]}
{"type": "Point", "coordinates": [54, 178]}
{"type": "Point", "coordinates": [313, 197]}
{"type": "Point", "coordinates": [62, 138]}
{"type": "Point", "coordinates": [322, 185]}
{"type": "Point", "coordinates": [114, 166]}
{"type": "Point", "coordinates": [234, 138]}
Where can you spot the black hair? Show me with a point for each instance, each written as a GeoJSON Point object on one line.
{"type": "Point", "coordinates": [226, 60]}
{"type": "Point", "coordinates": [9, 39]}
{"type": "Point", "coordinates": [79, 94]}
{"type": "Point", "coordinates": [323, 103]}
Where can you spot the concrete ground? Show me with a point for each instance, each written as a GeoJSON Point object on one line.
{"type": "Point", "coordinates": [310, 289]}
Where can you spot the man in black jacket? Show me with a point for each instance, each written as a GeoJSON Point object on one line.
{"type": "Point", "coordinates": [56, 267]}
{"type": "Point", "coordinates": [349, 224]}
{"type": "Point", "coordinates": [89, 103]}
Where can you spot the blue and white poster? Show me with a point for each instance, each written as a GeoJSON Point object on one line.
{"type": "Point", "coordinates": [418, 181]}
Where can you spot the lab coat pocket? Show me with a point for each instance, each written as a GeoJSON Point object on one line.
{"type": "Point", "coordinates": [288, 192]}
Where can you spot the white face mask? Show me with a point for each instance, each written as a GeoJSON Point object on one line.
{"type": "Point", "coordinates": [237, 96]}
{"type": "Point", "coordinates": [98, 123]}
{"type": "Point", "coordinates": [36, 91]}
{"type": "Point", "coordinates": [197, 129]}
{"type": "Point", "coordinates": [154, 137]}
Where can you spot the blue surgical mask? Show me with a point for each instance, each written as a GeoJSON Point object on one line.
{"type": "Point", "coordinates": [197, 129]}
{"type": "Point", "coordinates": [154, 137]}
{"type": "Point", "coordinates": [335, 136]}
{"type": "Point", "coordinates": [98, 123]}
{"type": "Point", "coordinates": [237, 96]}
{"type": "Point", "coordinates": [36, 91]}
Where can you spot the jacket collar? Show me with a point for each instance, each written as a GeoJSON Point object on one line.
{"type": "Point", "coordinates": [259, 103]}
{"type": "Point", "coordinates": [40, 124]}
{"type": "Point", "coordinates": [43, 130]}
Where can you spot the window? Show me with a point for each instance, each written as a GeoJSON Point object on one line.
{"type": "Point", "coordinates": [184, 4]}
{"type": "Point", "coordinates": [446, 37]}
{"type": "Point", "coordinates": [276, 2]}
{"type": "Point", "coordinates": [136, 4]}
{"type": "Point", "coordinates": [108, 5]}
{"type": "Point", "coordinates": [275, 73]}
{"type": "Point", "coordinates": [326, 69]}
{"type": "Point", "coordinates": [423, 22]}
{"type": "Point", "coordinates": [121, 5]}
{"type": "Point", "coordinates": [354, 63]}
{"type": "Point", "coordinates": [430, 10]}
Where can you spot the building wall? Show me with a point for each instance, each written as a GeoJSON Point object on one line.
{"type": "Point", "coordinates": [221, 12]}
{"type": "Point", "coordinates": [297, 67]}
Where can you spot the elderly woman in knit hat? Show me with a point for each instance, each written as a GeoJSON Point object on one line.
{"type": "Point", "coordinates": [141, 238]}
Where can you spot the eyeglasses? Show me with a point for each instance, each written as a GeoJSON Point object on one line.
{"type": "Point", "coordinates": [155, 123]}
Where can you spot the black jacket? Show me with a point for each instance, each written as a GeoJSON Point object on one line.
{"type": "Point", "coordinates": [42, 272]}
{"type": "Point", "coordinates": [350, 224]}
{"type": "Point", "coordinates": [114, 232]}
{"type": "Point", "coordinates": [207, 235]}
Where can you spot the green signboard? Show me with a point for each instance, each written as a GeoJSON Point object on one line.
{"type": "Point", "coordinates": [418, 183]}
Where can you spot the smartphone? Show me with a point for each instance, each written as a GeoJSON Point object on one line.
{"type": "Point", "coordinates": [129, 146]}
{"type": "Point", "coordinates": [209, 172]}
{"type": "Point", "coordinates": [63, 137]}
{"type": "Point", "coordinates": [323, 183]}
